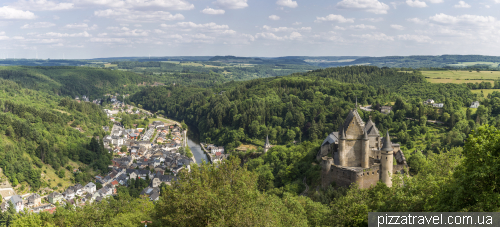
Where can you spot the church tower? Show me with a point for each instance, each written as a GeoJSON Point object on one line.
{"type": "Point", "coordinates": [267, 145]}
{"type": "Point", "coordinates": [386, 161]}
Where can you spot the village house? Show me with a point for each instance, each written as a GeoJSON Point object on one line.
{"type": "Point", "coordinates": [17, 201]}
{"type": "Point", "coordinates": [34, 200]}
{"type": "Point", "coordinates": [69, 194]}
{"type": "Point", "coordinates": [90, 188]}
{"type": "Point", "coordinates": [429, 101]}
{"type": "Point", "coordinates": [438, 105]}
{"type": "Point", "coordinates": [475, 104]}
{"type": "Point", "coordinates": [55, 197]}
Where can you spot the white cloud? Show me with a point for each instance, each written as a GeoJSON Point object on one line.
{"type": "Point", "coordinates": [373, 19]}
{"type": "Point", "coordinates": [42, 5]}
{"type": "Point", "coordinates": [336, 18]}
{"type": "Point", "coordinates": [269, 35]}
{"type": "Point", "coordinates": [38, 25]}
{"type": "Point", "coordinates": [435, 1]}
{"type": "Point", "coordinates": [362, 27]}
{"type": "Point", "coordinates": [339, 28]}
{"type": "Point", "coordinates": [168, 4]}
{"type": "Point", "coordinates": [109, 40]}
{"type": "Point", "coordinates": [211, 11]}
{"type": "Point", "coordinates": [397, 26]}
{"type": "Point", "coordinates": [135, 32]}
{"type": "Point", "coordinates": [274, 17]}
{"type": "Point", "coordinates": [416, 38]}
{"type": "Point", "coordinates": [135, 16]}
{"type": "Point", "coordinates": [208, 27]}
{"type": "Point", "coordinates": [416, 3]}
{"type": "Point", "coordinates": [232, 4]}
{"type": "Point", "coordinates": [297, 23]}
{"type": "Point", "coordinates": [82, 26]}
{"type": "Point", "coordinates": [416, 20]}
{"type": "Point", "coordinates": [55, 17]}
{"type": "Point", "coordinates": [285, 29]}
{"type": "Point", "coordinates": [62, 35]}
{"type": "Point", "coordinates": [287, 3]}
{"type": "Point", "coordinates": [7, 12]}
{"type": "Point", "coordinates": [44, 41]}
{"type": "Point", "coordinates": [295, 36]}
{"type": "Point", "coordinates": [464, 19]}
{"type": "Point", "coordinates": [272, 36]}
{"type": "Point", "coordinates": [372, 6]}
{"type": "Point", "coordinates": [375, 36]}
{"type": "Point", "coordinates": [462, 4]}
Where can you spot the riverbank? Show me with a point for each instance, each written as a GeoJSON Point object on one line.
{"type": "Point", "coordinates": [206, 152]}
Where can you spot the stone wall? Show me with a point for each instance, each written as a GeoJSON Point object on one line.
{"type": "Point", "coordinates": [344, 177]}
{"type": "Point", "coordinates": [353, 152]}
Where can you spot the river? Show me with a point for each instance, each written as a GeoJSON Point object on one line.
{"type": "Point", "coordinates": [198, 153]}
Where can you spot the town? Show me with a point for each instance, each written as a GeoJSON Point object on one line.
{"type": "Point", "coordinates": [154, 154]}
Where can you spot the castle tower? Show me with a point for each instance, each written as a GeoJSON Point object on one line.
{"type": "Point", "coordinates": [341, 148]}
{"type": "Point", "coordinates": [267, 145]}
{"type": "Point", "coordinates": [386, 161]}
{"type": "Point", "coordinates": [365, 153]}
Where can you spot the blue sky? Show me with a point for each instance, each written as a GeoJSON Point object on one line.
{"type": "Point", "coordinates": [114, 28]}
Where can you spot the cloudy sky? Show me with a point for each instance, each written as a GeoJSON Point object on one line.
{"type": "Point", "coordinates": [115, 28]}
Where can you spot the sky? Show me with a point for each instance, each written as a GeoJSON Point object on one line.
{"type": "Point", "coordinates": [69, 29]}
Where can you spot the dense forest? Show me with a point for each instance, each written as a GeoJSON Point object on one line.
{"type": "Point", "coordinates": [74, 81]}
{"type": "Point", "coordinates": [38, 130]}
{"type": "Point", "coordinates": [451, 157]}
{"type": "Point", "coordinates": [306, 106]}
{"type": "Point", "coordinates": [231, 194]}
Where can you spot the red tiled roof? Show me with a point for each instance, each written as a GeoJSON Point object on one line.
{"type": "Point", "coordinates": [218, 153]}
{"type": "Point", "coordinates": [114, 182]}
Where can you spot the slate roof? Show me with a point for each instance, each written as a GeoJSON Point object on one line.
{"type": "Point", "coordinates": [154, 195]}
{"type": "Point", "coordinates": [352, 114]}
{"type": "Point", "coordinates": [331, 139]}
{"type": "Point", "coordinates": [400, 157]}
{"type": "Point", "coordinates": [16, 199]}
{"type": "Point", "coordinates": [371, 129]}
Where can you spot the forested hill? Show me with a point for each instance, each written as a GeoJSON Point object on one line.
{"type": "Point", "coordinates": [296, 107]}
{"type": "Point", "coordinates": [41, 131]}
{"type": "Point", "coordinates": [370, 75]}
{"type": "Point", "coordinates": [74, 81]}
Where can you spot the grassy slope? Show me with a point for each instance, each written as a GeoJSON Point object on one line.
{"type": "Point", "coordinates": [460, 77]}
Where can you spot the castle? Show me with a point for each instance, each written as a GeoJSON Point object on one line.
{"type": "Point", "coordinates": [358, 154]}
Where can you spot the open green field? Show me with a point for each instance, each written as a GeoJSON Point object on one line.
{"type": "Point", "coordinates": [465, 64]}
{"type": "Point", "coordinates": [460, 77]}
{"type": "Point", "coordinates": [486, 92]}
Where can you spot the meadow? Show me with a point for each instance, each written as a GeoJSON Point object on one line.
{"type": "Point", "coordinates": [460, 77]}
{"type": "Point", "coordinates": [465, 64]}
{"type": "Point", "coordinates": [486, 92]}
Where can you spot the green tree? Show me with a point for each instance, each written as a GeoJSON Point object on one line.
{"type": "Point", "coordinates": [476, 174]}
{"type": "Point", "coordinates": [229, 194]}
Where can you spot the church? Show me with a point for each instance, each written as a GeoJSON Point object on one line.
{"type": "Point", "coordinates": [358, 154]}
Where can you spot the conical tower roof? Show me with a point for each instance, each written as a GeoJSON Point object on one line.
{"type": "Point", "coordinates": [387, 143]}
{"type": "Point", "coordinates": [365, 135]}
{"type": "Point", "coordinates": [342, 135]}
